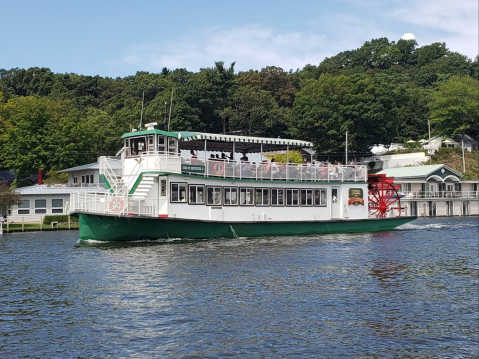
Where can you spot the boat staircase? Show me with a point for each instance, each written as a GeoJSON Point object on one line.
{"type": "Point", "coordinates": [121, 188]}
{"type": "Point", "coordinates": [112, 176]}
{"type": "Point", "coordinates": [143, 189]}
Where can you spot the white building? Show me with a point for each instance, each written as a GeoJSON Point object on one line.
{"type": "Point", "coordinates": [435, 190]}
{"type": "Point", "coordinates": [42, 200]}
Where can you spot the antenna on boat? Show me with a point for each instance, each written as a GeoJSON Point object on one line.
{"type": "Point", "coordinates": [171, 104]}
{"type": "Point", "coordinates": [346, 162]}
{"type": "Point", "coordinates": [141, 115]}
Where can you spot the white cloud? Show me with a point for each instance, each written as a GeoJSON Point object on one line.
{"type": "Point", "coordinates": [252, 47]}
{"type": "Point", "coordinates": [256, 46]}
{"type": "Point", "coordinates": [450, 21]}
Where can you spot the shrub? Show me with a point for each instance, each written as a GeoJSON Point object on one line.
{"type": "Point", "coordinates": [47, 220]}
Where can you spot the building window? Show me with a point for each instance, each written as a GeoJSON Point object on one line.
{"type": "Point", "coordinates": [178, 192]}
{"type": "Point", "coordinates": [406, 187]}
{"type": "Point", "coordinates": [197, 194]}
{"type": "Point", "coordinates": [246, 196]}
{"type": "Point", "coordinates": [306, 196]}
{"type": "Point", "coordinates": [24, 207]}
{"type": "Point", "coordinates": [57, 205]}
{"type": "Point", "coordinates": [213, 196]}
{"type": "Point", "coordinates": [40, 206]}
{"type": "Point", "coordinates": [91, 178]}
{"type": "Point", "coordinates": [320, 197]}
{"type": "Point", "coordinates": [262, 196]}
{"type": "Point", "coordinates": [292, 197]}
{"type": "Point", "coordinates": [277, 197]}
{"type": "Point", "coordinates": [75, 180]}
{"type": "Point", "coordinates": [231, 196]}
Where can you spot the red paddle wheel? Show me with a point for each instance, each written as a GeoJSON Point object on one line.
{"type": "Point", "coordinates": [383, 196]}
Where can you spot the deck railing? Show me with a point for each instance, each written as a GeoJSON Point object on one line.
{"type": "Point", "coordinates": [109, 203]}
{"type": "Point", "coordinates": [440, 194]}
{"type": "Point", "coordinates": [275, 171]}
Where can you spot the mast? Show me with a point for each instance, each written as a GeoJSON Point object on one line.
{"type": "Point", "coordinates": [141, 115]}
{"type": "Point", "coordinates": [346, 148]}
{"type": "Point", "coordinates": [171, 104]}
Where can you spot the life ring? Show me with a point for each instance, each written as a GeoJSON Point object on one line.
{"type": "Point", "coordinates": [116, 204]}
{"type": "Point", "coordinates": [219, 168]}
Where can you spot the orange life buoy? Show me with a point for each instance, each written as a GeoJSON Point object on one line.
{"type": "Point", "coordinates": [116, 204]}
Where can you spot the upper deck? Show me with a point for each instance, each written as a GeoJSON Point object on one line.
{"type": "Point", "coordinates": [193, 153]}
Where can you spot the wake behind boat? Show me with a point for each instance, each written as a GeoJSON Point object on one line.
{"type": "Point", "coordinates": [199, 185]}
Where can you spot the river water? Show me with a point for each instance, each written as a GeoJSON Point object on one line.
{"type": "Point", "coordinates": [409, 293]}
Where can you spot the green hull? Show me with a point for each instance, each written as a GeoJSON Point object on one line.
{"type": "Point", "coordinates": [114, 228]}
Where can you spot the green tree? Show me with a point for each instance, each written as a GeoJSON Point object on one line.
{"type": "Point", "coordinates": [255, 113]}
{"type": "Point", "coordinates": [454, 108]}
{"type": "Point", "coordinates": [7, 196]}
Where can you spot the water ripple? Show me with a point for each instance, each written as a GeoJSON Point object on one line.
{"type": "Point", "coordinates": [410, 293]}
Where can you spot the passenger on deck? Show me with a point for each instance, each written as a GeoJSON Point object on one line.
{"type": "Point", "coordinates": [194, 158]}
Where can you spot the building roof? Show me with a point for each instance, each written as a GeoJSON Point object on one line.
{"type": "Point", "coordinates": [467, 138]}
{"type": "Point", "coordinates": [44, 189]}
{"type": "Point", "coordinates": [416, 171]}
{"type": "Point", "coordinates": [92, 166]}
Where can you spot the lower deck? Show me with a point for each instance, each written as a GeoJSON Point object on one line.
{"type": "Point", "coordinates": [213, 199]}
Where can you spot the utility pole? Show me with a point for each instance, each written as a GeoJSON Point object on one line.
{"type": "Point", "coordinates": [429, 142]}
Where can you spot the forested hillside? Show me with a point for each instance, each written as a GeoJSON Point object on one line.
{"type": "Point", "coordinates": [382, 92]}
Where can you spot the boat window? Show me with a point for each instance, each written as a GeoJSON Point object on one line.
{"type": "Point", "coordinates": [334, 195]}
{"type": "Point", "coordinates": [246, 196]}
{"type": "Point", "coordinates": [292, 197]}
{"type": "Point", "coordinates": [231, 196]}
{"type": "Point", "coordinates": [306, 196]}
{"type": "Point", "coordinates": [138, 145]}
{"type": "Point", "coordinates": [262, 196]}
{"type": "Point", "coordinates": [178, 192]}
{"type": "Point", "coordinates": [277, 197]}
{"type": "Point", "coordinates": [151, 143]}
{"type": "Point", "coordinates": [320, 197]}
{"type": "Point", "coordinates": [127, 147]}
{"type": "Point", "coordinates": [161, 144]}
{"type": "Point", "coordinates": [172, 146]}
{"type": "Point", "coordinates": [213, 196]}
{"type": "Point", "coordinates": [197, 194]}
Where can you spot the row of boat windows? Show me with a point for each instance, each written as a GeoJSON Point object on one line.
{"type": "Point", "coordinates": [246, 196]}
{"type": "Point", "coordinates": [137, 145]}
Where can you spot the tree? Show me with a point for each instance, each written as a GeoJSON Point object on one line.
{"type": "Point", "coordinates": [7, 196]}
{"type": "Point", "coordinates": [454, 107]}
{"type": "Point", "coordinates": [255, 112]}
{"type": "Point", "coordinates": [326, 109]}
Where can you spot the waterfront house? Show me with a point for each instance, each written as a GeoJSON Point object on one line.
{"type": "Point", "coordinates": [44, 199]}
{"type": "Point", "coordinates": [435, 190]}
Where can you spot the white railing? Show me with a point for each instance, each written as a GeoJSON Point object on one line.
{"type": "Point", "coordinates": [276, 171]}
{"type": "Point", "coordinates": [440, 194]}
{"type": "Point", "coordinates": [109, 203]}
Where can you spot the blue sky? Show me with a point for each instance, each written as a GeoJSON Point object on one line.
{"type": "Point", "coordinates": [117, 38]}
